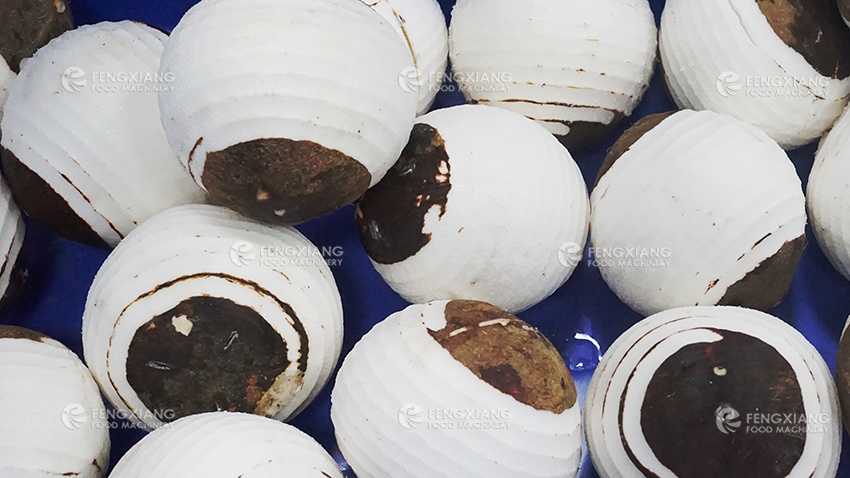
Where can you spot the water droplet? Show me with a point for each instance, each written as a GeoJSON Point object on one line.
{"type": "Point", "coordinates": [583, 353]}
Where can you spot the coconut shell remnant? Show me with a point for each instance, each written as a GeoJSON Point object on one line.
{"type": "Point", "coordinates": [842, 374]}
{"type": "Point", "coordinates": [27, 25]}
{"type": "Point", "coordinates": [844, 8]}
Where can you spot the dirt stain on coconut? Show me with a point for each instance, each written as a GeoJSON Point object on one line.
{"type": "Point", "coordinates": [507, 353]}
{"type": "Point", "coordinates": [29, 25]}
{"type": "Point", "coordinates": [391, 215]}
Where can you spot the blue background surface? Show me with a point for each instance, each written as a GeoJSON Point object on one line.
{"type": "Point", "coordinates": [61, 271]}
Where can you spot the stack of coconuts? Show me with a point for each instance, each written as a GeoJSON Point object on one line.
{"type": "Point", "coordinates": [187, 154]}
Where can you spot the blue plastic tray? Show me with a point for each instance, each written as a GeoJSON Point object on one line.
{"type": "Point", "coordinates": [61, 271]}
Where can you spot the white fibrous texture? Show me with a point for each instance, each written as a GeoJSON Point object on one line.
{"type": "Point", "coordinates": [225, 445]}
{"type": "Point", "coordinates": [441, 389]}
{"type": "Point", "coordinates": [221, 313]}
{"type": "Point", "coordinates": [423, 27]}
{"type": "Point", "coordinates": [12, 232]}
{"type": "Point", "coordinates": [7, 78]}
{"type": "Point", "coordinates": [481, 200]}
{"type": "Point", "coordinates": [789, 79]}
{"type": "Point", "coordinates": [299, 126]}
{"type": "Point", "coordinates": [702, 209]}
{"type": "Point", "coordinates": [576, 66]}
{"type": "Point", "coordinates": [703, 391]}
{"type": "Point", "coordinates": [82, 122]}
{"type": "Point", "coordinates": [829, 196]}
{"type": "Point", "coordinates": [52, 417]}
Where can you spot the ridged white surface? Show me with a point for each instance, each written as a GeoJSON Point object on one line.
{"type": "Point", "coordinates": [699, 41]}
{"type": "Point", "coordinates": [325, 71]}
{"type": "Point", "coordinates": [625, 371]}
{"type": "Point", "coordinates": [423, 27]}
{"type": "Point", "coordinates": [7, 78]}
{"type": "Point", "coordinates": [517, 196]}
{"type": "Point", "coordinates": [226, 445]}
{"type": "Point", "coordinates": [568, 60]}
{"type": "Point", "coordinates": [828, 196]}
{"type": "Point", "coordinates": [398, 363]}
{"type": "Point", "coordinates": [199, 240]}
{"type": "Point", "coordinates": [39, 380]}
{"type": "Point", "coordinates": [104, 152]}
{"type": "Point", "coordinates": [11, 235]}
{"type": "Point", "coordinates": [717, 193]}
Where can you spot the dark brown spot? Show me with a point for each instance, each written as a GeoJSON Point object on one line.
{"type": "Point", "coordinates": [304, 179]}
{"type": "Point", "coordinates": [507, 353]}
{"type": "Point", "coordinates": [27, 25]}
{"type": "Point", "coordinates": [97, 466]}
{"type": "Point", "coordinates": [680, 409]}
{"type": "Point", "coordinates": [765, 286]}
{"type": "Point", "coordinates": [35, 197]}
{"type": "Point", "coordinates": [391, 215]}
{"type": "Point", "coordinates": [712, 285]}
{"type": "Point", "coordinates": [12, 332]}
{"type": "Point", "coordinates": [842, 377]}
{"type": "Point", "coordinates": [629, 138]}
{"type": "Point", "coordinates": [815, 30]}
{"type": "Point", "coordinates": [206, 354]}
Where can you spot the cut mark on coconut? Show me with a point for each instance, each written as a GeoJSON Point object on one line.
{"type": "Point", "coordinates": [38, 199]}
{"type": "Point", "coordinates": [13, 332]}
{"type": "Point", "coordinates": [391, 216]}
{"type": "Point", "coordinates": [506, 353]}
{"type": "Point", "coordinates": [815, 30]}
{"type": "Point", "coordinates": [29, 25]}
{"type": "Point", "coordinates": [300, 180]}
{"type": "Point", "coordinates": [680, 412]}
{"type": "Point", "coordinates": [629, 139]}
{"type": "Point", "coordinates": [765, 286]}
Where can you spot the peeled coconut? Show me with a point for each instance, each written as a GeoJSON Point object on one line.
{"type": "Point", "coordinates": [713, 391]}
{"type": "Point", "coordinates": [423, 27]}
{"type": "Point", "coordinates": [206, 321]}
{"type": "Point", "coordinates": [697, 208]}
{"type": "Point", "coordinates": [482, 199]}
{"type": "Point", "coordinates": [225, 445]}
{"type": "Point", "coordinates": [286, 110]}
{"type": "Point", "coordinates": [781, 65]}
{"type": "Point", "coordinates": [83, 149]}
{"type": "Point", "coordinates": [828, 196]}
{"type": "Point", "coordinates": [477, 391]}
{"type": "Point", "coordinates": [578, 67]}
{"type": "Point", "coordinates": [12, 229]}
{"type": "Point", "coordinates": [53, 419]}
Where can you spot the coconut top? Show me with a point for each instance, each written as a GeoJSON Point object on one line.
{"type": "Point", "coordinates": [27, 25]}
{"type": "Point", "coordinates": [508, 354]}
{"type": "Point", "coordinates": [815, 30]}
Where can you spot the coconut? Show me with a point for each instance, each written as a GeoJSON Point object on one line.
{"type": "Point", "coordinates": [423, 27]}
{"type": "Point", "coordinates": [7, 79]}
{"type": "Point", "coordinates": [576, 67]}
{"type": "Point", "coordinates": [224, 445]}
{"type": "Point", "coordinates": [53, 418]}
{"type": "Point", "coordinates": [481, 200]}
{"type": "Point", "coordinates": [829, 196]}
{"type": "Point", "coordinates": [28, 25]}
{"type": "Point", "coordinates": [697, 208]}
{"type": "Point", "coordinates": [13, 270]}
{"type": "Point", "coordinates": [96, 162]}
{"type": "Point", "coordinates": [782, 65]}
{"type": "Point", "coordinates": [713, 391]}
{"type": "Point", "coordinates": [207, 320]}
{"type": "Point", "coordinates": [286, 110]}
{"type": "Point", "coordinates": [842, 374]}
{"type": "Point", "coordinates": [456, 388]}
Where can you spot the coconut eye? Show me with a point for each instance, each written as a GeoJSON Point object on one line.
{"type": "Point", "coordinates": [697, 208]}
{"type": "Point", "coordinates": [782, 66]}
{"type": "Point", "coordinates": [49, 393]}
{"type": "Point", "coordinates": [576, 67]}
{"type": "Point", "coordinates": [713, 391]}
{"type": "Point", "coordinates": [96, 163]}
{"type": "Point", "coordinates": [436, 226]}
{"type": "Point", "coordinates": [223, 314]}
{"type": "Point", "coordinates": [829, 196]}
{"type": "Point", "coordinates": [288, 115]}
{"type": "Point", "coordinates": [449, 385]}
{"type": "Point", "coordinates": [214, 445]}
